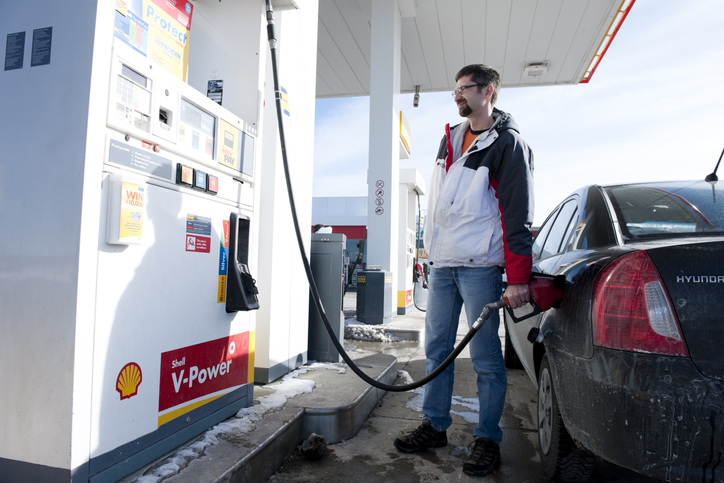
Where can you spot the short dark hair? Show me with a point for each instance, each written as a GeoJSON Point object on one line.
{"type": "Point", "coordinates": [485, 76]}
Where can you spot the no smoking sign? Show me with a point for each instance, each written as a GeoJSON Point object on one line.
{"type": "Point", "coordinates": [379, 193]}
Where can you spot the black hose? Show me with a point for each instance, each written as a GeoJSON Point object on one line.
{"type": "Point", "coordinates": [312, 285]}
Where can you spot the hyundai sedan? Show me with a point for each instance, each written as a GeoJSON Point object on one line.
{"type": "Point", "coordinates": [629, 365]}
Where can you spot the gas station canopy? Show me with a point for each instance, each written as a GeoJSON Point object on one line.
{"type": "Point", "coordinates": [530, 42]}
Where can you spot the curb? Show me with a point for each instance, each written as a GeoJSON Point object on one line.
{"type": "Point", "coordinates": [336, 424]}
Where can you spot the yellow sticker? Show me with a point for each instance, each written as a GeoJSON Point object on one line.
{"type": "Point", "coordinates": [131, 224]}
{"type": "Point", "coordinates": [221, 295]}
{"type": "Point", "coordinates": [229, 145]}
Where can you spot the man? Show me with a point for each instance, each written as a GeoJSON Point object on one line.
{"type": "Point", "coordinates": [480, 210]}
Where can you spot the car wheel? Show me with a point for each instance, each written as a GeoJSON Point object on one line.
{"type": "Point", "coordinates": [562, 460]}
{"type": "Point", "coordinates": [512, 361]}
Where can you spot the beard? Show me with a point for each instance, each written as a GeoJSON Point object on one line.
{"type": "Point", "coordinates": [464, 110]}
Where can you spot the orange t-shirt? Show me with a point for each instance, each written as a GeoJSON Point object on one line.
{"type": "Point", "coordinates": [468, 139]}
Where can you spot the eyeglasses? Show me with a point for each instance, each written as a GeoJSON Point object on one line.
{"type": "Point", "coordinates": [462, 89]}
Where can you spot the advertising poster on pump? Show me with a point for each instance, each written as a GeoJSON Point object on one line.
{"type": "Point", "coordinates": [158, 29]}
{"type": "Point", "coordinates": [131, 218]}
{"type": "Point", "coordinates": [195, 375]}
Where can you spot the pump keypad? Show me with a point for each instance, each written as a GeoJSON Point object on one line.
{"type": "Point", "coordinates": [199, 180]}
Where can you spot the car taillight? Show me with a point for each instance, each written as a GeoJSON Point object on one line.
{"type": "Point", "coordinates": [632, 311]}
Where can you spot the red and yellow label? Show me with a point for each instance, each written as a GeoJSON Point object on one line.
{"type": "Point", "coordinates": [404, 298]}
{"type": "Point", "coordinates": [128, 380]}
{"type": "Point", "coordinates": [195, 375]}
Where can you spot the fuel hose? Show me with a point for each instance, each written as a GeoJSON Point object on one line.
{"type": "Point", "coordinates": [307, 268]}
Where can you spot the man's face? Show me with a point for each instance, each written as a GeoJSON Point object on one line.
{"type": "Point", "coordinates": [470, 100]}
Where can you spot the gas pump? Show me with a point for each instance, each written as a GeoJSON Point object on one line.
{"type": "Point", "coordinates": [175, 284]}
{"type": "Point", "coordinates": [174, 267]}
{"type": "Point", "coordinates": [410, 291]}
{"type": "Point", "coordinates": [146, 323]}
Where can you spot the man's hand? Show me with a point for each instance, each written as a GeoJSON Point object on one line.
{"type": "Point", "coordinates": [518, 294]}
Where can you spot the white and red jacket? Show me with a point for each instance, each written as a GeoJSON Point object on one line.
{"type": "Point", "coordinates": [480, 205]}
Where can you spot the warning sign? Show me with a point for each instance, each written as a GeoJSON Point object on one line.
{"type": "Point", "coordinates": [379, 200]}
{"type": "Point", "coordinates": [200, 244]}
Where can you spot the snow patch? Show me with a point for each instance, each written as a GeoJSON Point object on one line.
{"type": "Point", "coordinates": [416, 402]}
{"type": "Point", "coordinates": [369, 333]}
{"type": "Point", "coordinates": [467, 402]}
{"type": "Point", "coordinates": [243, 422]}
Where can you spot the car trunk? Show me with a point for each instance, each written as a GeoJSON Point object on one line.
{"type": "Point", "coordinates": [694, 277]}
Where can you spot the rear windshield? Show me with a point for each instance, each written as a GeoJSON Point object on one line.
{"type": "Point", "coordinates": [668, 210]}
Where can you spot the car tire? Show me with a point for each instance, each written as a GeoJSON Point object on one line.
{"type": "Point", "coordinates": [561, 458]}
{"type": "Point", "coordinates": [512, 361]}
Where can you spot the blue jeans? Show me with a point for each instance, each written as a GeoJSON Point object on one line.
{"type": "Point", "coordinates": [449, 289]}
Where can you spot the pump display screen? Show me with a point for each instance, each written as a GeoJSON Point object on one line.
{"type": "Point", "coordinates": [134, 76]}
{"type": "Point", "coordinates": [133, 99]}
{"type": "Point", "coordinates": [197, 129]}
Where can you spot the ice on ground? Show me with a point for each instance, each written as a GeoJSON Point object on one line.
{"type": "Point", "coordinates": [243, 422]}
{"type": "Point", "coordinates": [467, 402]}
{"type": "Point", "coordinates": [460, 452]}
{"type": "Point", "coordinates": [355, 330]}
{"type": "Point", "coordinates": [416, 402]}
{"type": "Point", "coordinates": [404, 376]}
{"type": "Point", "coordinates": [471, 403]}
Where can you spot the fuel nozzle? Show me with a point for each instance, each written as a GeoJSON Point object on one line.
{"type": "Point", "coordinates": [546, 292]}
{"type": "Point", "coordinates": [418, 271]}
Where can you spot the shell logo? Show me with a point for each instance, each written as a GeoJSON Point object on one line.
{"type": "Point", "coordinates": [128, 380]}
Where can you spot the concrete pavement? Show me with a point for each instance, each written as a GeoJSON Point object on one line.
{"type": "Point", "coordinates": [361, 423]}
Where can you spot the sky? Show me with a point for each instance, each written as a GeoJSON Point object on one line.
{"type": "Point", "coordinates": [653, 111]}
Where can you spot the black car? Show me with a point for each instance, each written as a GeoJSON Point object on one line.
{"type": "Point", "coordinates": [630, 365]}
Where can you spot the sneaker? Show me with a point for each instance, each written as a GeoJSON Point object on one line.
{"type": "Point", "coordinates": [484, 458]}
{"type": "Point", "coordinates": [423, 437]}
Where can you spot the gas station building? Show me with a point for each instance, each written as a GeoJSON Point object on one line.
{"type": "Point", "coordinates": [147, 277]}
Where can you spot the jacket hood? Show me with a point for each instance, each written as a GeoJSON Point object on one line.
{"type": "Point", "coordinates": [504, 121]}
